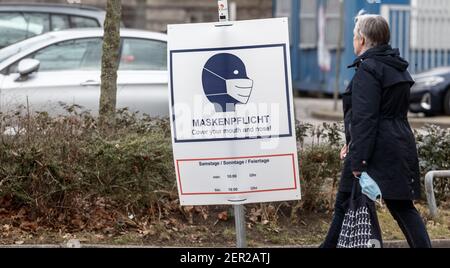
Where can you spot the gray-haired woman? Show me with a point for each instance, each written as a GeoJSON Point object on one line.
{"type": "Point", "coordinates": [379, 137]}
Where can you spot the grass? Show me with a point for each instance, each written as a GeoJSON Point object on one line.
{"type": "Point", "coordinates": [310, 229]}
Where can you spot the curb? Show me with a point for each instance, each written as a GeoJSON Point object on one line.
{"type": "Point", "coordinates": [443, 243]}
{"type": "Point", "coordinates": [328, 115]}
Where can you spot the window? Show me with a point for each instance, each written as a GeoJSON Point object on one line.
{"type": "Point", "coordinates": [333, 23]}
{"type": "Point", "coordinates": [82, 22]}
{"type": "Point", "coordinates": [82, 54]}
{"type": "Point", "coordinates": [92, 58]}
{"type": "Point", "coordinates": [60, 22]}
{"type": "Point", "coordinates": [308, 17]}
{"type": "Point", "coordinates": [142, 54]}
{"type": "Point", "coordinates": [308, 23]}
{"type": "Point", "coordinates": [18, 26]}
{"type": "Point", "coordinates": [283, 8]}
{"type": "Point", "coordinates": [13, 28]}
{"type": "Point", "coordinates": [38, 23]}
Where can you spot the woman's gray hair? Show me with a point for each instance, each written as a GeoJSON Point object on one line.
{"type": "Point", "coordinates": [374, 28]}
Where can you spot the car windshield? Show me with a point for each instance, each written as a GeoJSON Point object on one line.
{"type": "Point", "coordinates": [10, 51]}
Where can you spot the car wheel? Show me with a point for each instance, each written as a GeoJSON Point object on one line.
{"type": "Point", "coordinates": [447, 102]}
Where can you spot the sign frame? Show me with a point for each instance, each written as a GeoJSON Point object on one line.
{"type": "Point", "coordinates": [288, 100]}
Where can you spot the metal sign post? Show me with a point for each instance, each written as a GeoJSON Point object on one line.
{"type": "Point", "coordinates": [239, 210]}
{"type": "Point", "coordinates": [239, 216]}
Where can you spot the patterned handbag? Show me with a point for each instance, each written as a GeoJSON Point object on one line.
{"type": "Point", "coordinates": [360, 228]}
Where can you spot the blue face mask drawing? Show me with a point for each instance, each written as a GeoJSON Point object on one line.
{"type": "Point", "coordinates": [370, 188]}
{"type": "Point", "coordinates": [225, 82]}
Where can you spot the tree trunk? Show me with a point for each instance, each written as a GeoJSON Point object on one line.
{"type": "Point", "coordinates": [110, 65]}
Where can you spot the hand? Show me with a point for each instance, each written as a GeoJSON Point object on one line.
{"type": "Point", "coordinates": [357, 174]}
{"type": "Point", "coordinates": [344, 152]}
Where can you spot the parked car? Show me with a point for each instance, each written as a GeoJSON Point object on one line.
{"type": "Point", "coordinates": [65, 67]}
{"type": "Point", "coordinates": [21, 21]}
{"type": "Point", "coordinates": [431, 93]}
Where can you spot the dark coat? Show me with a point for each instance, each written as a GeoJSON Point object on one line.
{"type": "Point", "coordinates": [377, 130]}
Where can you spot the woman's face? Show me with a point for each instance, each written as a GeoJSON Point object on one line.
{"type": "Point", "coordinates": [358, 44]}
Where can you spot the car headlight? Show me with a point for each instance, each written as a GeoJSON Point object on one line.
{"type": "Point", "coordinates": [427, 82]}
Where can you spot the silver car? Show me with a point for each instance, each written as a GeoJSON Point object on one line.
{"type": "Point", "coordinates": [64, 67]}
{"type": "Point", "coordinates": [21, 21]}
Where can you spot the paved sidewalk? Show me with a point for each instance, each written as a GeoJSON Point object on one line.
{"type": "Point", "coordinates": [416, 122]}
{"type": "Point", "coordinates": [315, 110]}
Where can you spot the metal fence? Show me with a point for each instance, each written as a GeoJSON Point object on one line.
{"type": "Point", "coordinates": [421, 33]}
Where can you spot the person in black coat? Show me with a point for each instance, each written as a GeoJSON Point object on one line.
{"type": "Point", "coordinates": [379, 138]}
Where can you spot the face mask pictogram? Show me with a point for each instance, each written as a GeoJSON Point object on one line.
{"type": "Point", "coordinates": [225, 82]}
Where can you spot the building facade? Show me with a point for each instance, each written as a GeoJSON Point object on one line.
{"type": "Point", "coordinates": [420, 29]}
{"type": "Point", "coordinates": [154, 15]}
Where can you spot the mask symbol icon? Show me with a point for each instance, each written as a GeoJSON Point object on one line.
{"type": "Point", "coordinates": [225, 82]}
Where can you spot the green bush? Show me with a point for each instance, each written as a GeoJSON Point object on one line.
{"type": "Point", "coordinates": [433, 145]}
{"type": "Point", "coordinates": [64, 165]}
{"type": "Point", "coordinates": [320, 165]}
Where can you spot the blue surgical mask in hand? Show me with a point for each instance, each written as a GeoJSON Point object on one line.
{"type": "Point", "coordinates": [370, 188]}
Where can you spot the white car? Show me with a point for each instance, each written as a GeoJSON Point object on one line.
{"type": "Point", "coordinates": [20, 21]}
{"type": "Point", "coordinates": [65, 67]}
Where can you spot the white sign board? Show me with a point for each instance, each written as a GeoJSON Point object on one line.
{"type": "Point", "coordinates": [232, 118]}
